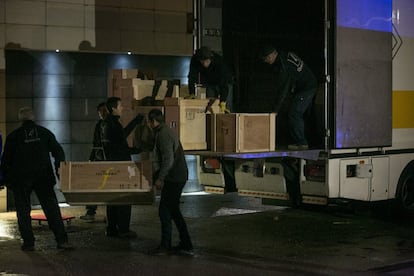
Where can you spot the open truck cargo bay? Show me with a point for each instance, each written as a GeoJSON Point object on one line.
{"type": "Point", "coordinates": [361, 126]}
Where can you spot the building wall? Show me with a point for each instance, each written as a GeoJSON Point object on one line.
{"type": "Point", "coordinates": [64, 97]}
{"type": "Point", "coordinates": [142, 27]}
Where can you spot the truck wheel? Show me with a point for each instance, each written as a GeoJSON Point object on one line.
{"type": "Point", "coordinates": [405, 190]}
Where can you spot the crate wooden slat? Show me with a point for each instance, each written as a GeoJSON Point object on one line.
{"type": "Point", "coordinates": [242, 132]}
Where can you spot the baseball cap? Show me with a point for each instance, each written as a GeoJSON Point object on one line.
{"type": "Point", "coordinates": [203, 53]}
{"type": "Point", "coordinates": [266, 50]}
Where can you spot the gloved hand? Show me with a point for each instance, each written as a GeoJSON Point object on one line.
{"type": "Point", "coordinates": [223, 108]}
{"type": "Point", "coordinates": [191, 96]}
{"type": "Point", "coordinates": [158, 184]}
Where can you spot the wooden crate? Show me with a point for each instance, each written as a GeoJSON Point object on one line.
{"type": "Point", "coordinates": [108, 182]}
{"type": "Point", "coordinates": [242, 132]}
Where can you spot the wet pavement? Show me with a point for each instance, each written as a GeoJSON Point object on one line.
{"type": "Point", "coordinates": [232, 235]}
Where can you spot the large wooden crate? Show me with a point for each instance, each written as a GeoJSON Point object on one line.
{"type": "Point", "coordinates": [107, 182]}
{"type": "Point", "coordinates": [242, 132]}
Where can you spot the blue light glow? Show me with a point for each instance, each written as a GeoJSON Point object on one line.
{"type": "Point", "coordinates": [373, 15]}
{"type": "Point", "coordinates": [123, 61]}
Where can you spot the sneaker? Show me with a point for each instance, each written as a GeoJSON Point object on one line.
{"type": "Point", "coordinates": [88, 217]}
{"type": "Point", "coordinates": [64, 245]}
{"type": "Point", "coordinates": [181, 250]}
{"type": "Point", "coordinates": [298, 147]}
{"type": "Point", "coordinates": [128, 235]}
{"type": "Point", "coordinates": [27, 247]}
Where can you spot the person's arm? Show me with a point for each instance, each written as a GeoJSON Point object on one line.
{"type": "Point", "coordinates": [193, 75]}
{"type": "Point", "coordinates": [284, 85]}
{"type": "Point", "coordinates": [165, 144]}
{"type": "Point", "coordinates": [131, 125]}
{"type": "Point", "coordinates": [7, 158]}
{"type": "Point", "coordinates": [226, 78]}
{"type": "Point", "coordinates": [57, 152]}
{"type": "Point", "coordinates": [96, 141]}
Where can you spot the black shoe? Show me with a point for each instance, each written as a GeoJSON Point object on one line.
{"type": "Point", "coordinates": [161, 251]}
{"type": "Point", "coordinates": [88, 217]}
{"type": "Point", "coordinates": [27, 247]}
{"type": "Point", "coordinates": [64, 245]}
{"type": "Point", "coordinates": [128, 235]}
{"type": "Point", "coordinates": [111, 234]}
{"type": "Point", "coordinates": [183, 250]}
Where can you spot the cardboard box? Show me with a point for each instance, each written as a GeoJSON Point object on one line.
{"type": "Point", "coordinates": [123, 73]}
{"type": "Point", "coordinates": [142, 88]}
{"type": "Point", "coordinates": [188, 118]}
{"type": "Point", "coordinates": [3, 200]}
{"type": "Point", "coordinates": [242, 132]}
{"type": "Point", "coordinates": [107, 182]}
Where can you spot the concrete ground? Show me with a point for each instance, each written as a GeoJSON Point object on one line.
{"type": "Point", "coordinates": [232, 235]}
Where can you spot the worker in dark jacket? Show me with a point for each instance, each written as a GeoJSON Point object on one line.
{"type": "Point", "coordinates": [170, 175]}
{"type": "Point", "coordinates": [27, 167]}
{"type": "Point", "coordinates": [208, 69]}
{"type": "Point", "coordinates": [97, 153]}
{"type": "Point", "coordinates": [297, 82]}
{"type": "Point", "coordinates": [115, 145]}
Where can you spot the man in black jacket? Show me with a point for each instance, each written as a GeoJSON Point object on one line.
{"type": "Point", "coordinates": [170, 175]}
{"type": "Point", "coordinates": [97, 153]}
{"type": "Point", "coordinates": [115, 145]}
{"type": "Point", "coordinates": [207, 68]}
{"type": "Point", "coordinates": [27, 167]}
{"type": "Point", "coordinates": [296, 82]}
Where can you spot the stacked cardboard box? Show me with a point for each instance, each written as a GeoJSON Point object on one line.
{"type": "Point", "coordinates": [123, 83]}
{"type": "Point", "coordinates": [3, 200]}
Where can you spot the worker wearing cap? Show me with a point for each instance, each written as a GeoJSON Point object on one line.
{"type": "Point", "coordinates": [298, 83]}
{"type": "Point", "coordinates": [208, 69]}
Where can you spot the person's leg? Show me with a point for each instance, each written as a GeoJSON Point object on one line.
{"type": "Point", "coordinates": [297, 108]}
{"type": "Point", "coordinates": [91, 210]}
{"type": "Point", "coordinates": [111, 217]}
{"type": "Point", "coordinates": [229, 100]}
{"type": "Point", "coordinates": [177, 217]}
{"type": "Point", "coordinates": [165, 217]}
{"type": "Point", "coordinates": [21, 193]}
{"type": "Point", "coordinates": [50, 206]}
{"type": "Point", "coordinates": [228, 168]}
{"type": "Point", "coordinates": [124, 218]}
{"type": "Point", "coordinates": [90, 213]}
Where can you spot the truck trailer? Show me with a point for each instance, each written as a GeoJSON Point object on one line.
{"type": "Point", "coordinates": [362, 121]}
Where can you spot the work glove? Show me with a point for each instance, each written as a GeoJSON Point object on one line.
{"type": "Point", "coordinates": [223, 108]}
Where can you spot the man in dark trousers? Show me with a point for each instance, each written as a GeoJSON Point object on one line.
{"type": "Point", "coordinates": [114, 141]}
{"type": "Point", "coordinates": [296, 82]}
{"type": "Point", "coordinates": [170, 175]}
{"type": "Point", "coordinates": [27, 167]}
{"type": "Point", "coordinates": [97, 153]}
{"type": "Point", "coordinates": [208, 69]}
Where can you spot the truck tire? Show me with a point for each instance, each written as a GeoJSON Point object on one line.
{"type": "Point", "coordinates": [405, 191]}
